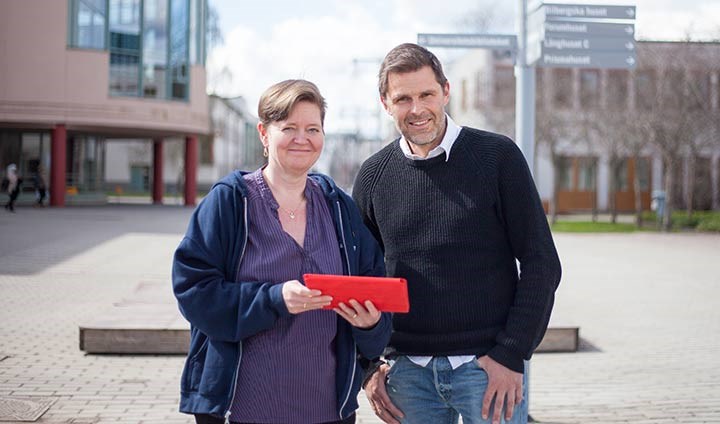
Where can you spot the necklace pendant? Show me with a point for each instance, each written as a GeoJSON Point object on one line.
{"type": "Point", "coordinates": [292, 215]}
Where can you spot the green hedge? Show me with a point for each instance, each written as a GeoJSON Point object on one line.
{"type": "Point", "coordinates": [700, 220]}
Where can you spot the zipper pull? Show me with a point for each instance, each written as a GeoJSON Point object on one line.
{"type": "Point", "coordinates": [227, 417]}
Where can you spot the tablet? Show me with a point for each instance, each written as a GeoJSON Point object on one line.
{"type": "Point", "coordinates": [387, 294]}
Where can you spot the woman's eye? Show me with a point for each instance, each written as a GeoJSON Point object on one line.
{"type": "Point", "coordinates": [314, 130]}
{"type": "Point", "coordinates": [288, 129]}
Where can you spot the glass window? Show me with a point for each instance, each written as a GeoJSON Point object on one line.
{"type": "Point", "coordinates": [562, 88]}
{"type": "Point", "coordinates": [617, 89]}
{"type": "Point", "coordinates": [674, 91]}
{"type": "Point", "coordinates": [179, 30]}
{"type": "Point", "coordinates": [155, 48]}
{"type": "Point", "coordinates": [645, 89]}
{"type": "Point", "coordinates": [586, 174]}
{"type": "Point", "coordinates": [124, 47]}
{"type": "Point", "coordinates": [206, 150]}
{"type": "Point", "coordinates": [87, 24]}
{"type": "Point", "coordinates": [699, 90]}
{"type": "Point", "coordinates": [565, 169]}
{"type": "Point", "coordinates": [589, 88]}
{"type": "Point", "coordinates": [643, 170]}
{"type": "Point", "coordinates": [482, 90]}
{"type": "Point", "coordinates": [463, 95]}
{"type": "Point", "coordinates": [621, 175]}
{"type": "Point", "coordinates": [504, 87]}
{"type": "Point", "coordinates": [198, 10]}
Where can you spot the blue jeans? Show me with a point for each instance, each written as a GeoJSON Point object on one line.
{"type": "Point", "coordinates": [438, 394]}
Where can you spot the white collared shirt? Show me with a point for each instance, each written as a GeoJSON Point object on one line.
{"type": "Point", "coordinates": [452, 130]}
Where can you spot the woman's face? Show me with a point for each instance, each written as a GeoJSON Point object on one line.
{"type": "Point", "coordinates": [294, 144]}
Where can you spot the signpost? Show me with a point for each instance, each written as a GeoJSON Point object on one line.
{"type": "Point", "coordinates": [554, 11]}
{"type": "Point", "coordinates": [483, 41]}
{"type": "Point", "coordinates": [551, 59]}
{"type": "Point", "coordinates": [583, 36]}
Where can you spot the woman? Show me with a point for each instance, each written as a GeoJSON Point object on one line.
{"type": "Point", "coordinates": [262, 350]}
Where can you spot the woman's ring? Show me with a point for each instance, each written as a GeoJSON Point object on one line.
{"type": "Point", "coordinates": [354, 316]}
{"type": "Point", "coordinates": [304, 305]}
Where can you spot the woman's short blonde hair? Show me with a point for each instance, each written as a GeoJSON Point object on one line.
{"type": "Point", "coordinates": [277, 101]}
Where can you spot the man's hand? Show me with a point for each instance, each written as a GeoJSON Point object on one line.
{"type": "Point", "coordinates": [504, 387]}
{"type": "Point", "coordinates": [378, 397]}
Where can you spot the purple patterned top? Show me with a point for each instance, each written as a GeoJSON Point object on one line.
{"type": "Point", "coordinates": [287, 374]}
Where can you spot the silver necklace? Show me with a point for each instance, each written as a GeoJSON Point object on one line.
{"type": "Point", "coordinates": [291, 213]}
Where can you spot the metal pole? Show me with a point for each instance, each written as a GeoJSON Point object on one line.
{"type": "Point", "coordinates": [525, 128]}
{"type": "Point", "coordinates": [525, 91]}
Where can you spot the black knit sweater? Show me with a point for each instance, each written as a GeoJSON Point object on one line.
{"type": "Point", "coordinates": [454, 230]}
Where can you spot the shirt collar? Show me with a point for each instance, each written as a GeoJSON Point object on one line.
{"type": "Point", "coordinates": [452, 130]}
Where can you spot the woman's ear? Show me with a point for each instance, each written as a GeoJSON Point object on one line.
{"type": "Point", "coordinates": [262, 131]}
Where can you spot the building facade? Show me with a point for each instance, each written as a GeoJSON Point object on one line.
{"type": "Point", "coordinates": [602, 132]}
{"type": "Point", "coordinates": [78, 75]}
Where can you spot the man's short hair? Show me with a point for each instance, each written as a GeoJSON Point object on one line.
{"type": "Point", "coordinates": [278, 100]}
{"type": "Point", "coordinates": [408, 57]}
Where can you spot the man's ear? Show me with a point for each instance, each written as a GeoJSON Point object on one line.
{"type": "Point", "coordinates": [384, 101]}
{"type": "Point", "coordinates": [446, 93]}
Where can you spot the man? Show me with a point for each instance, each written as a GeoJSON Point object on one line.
{"type": "Point", "coordinates": [454, 209]}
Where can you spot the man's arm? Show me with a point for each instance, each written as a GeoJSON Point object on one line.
{"type": "Point", "coordinates": [532, 245]}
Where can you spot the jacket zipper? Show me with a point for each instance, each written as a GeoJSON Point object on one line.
{"type": "Point", "coordinates": [352, 352]}
{"type": "Point", "coordinates": [237, 272]}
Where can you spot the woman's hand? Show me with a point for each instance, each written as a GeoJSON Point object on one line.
{"type": "Point", "coordinates": [358, 315]}
{"type": "Point", "coordinates": [299, 298]}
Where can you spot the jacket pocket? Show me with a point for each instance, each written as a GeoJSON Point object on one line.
{"type": "Point", "coordinates": [192, 372]}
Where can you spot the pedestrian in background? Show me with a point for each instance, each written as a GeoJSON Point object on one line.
{"type": "Point", "coordinates": [262, 349]}
{"type": "Point", "coordinates": [40, 186]}
{"type": "Point", "coordinates": [455, 209]}
{"type": "Point", "coordinates": [12, 182]}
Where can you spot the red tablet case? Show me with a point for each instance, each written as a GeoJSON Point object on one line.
{"type": "Point", "coordinates": [387, 294]}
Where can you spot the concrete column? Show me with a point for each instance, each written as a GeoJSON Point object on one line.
{"type": "Point", "coordinates": [58, 165]}
{"type": "Point", "coordinates": [191, 161]}
{"type": "Point", "coordinates": [157, 190]}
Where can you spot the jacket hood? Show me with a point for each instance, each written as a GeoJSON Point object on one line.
{"type": "Point", "coordinates": [234, 180]}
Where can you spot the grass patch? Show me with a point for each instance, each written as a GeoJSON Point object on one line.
{"type": "Point", "coordinates": [708, 221]}
{"type": "Point", "coordinates": [592, 227]}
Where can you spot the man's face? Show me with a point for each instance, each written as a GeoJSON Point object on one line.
{"type": "Point", "coordinates": [416, 102]}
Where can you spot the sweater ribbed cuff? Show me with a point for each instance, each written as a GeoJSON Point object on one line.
{"type": "Point", "coordinates": [507, 358]}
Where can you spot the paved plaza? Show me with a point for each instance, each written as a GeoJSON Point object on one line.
{"type": "Point", "coordinates": [648, 308]}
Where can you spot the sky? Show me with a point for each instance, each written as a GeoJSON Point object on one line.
{"type": "Point", "coordinates": [338, 44]}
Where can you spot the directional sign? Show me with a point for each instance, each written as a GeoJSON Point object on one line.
{"type": "Point", "coordinates": [487, 41]}
{"type": "Point", "coordinates": [555, 11]}
{"type": "Point", "coordinates": [587, 60]}
{"type": "Point", "coordinates": [560, 29]}
{"type": "Point", "coordinates": [587, 44]}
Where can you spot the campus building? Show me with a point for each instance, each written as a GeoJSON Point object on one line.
{"type": "Point", "coordinates": [233, 143]}
{"type": "Point", "coordinates": [601, 132]}
{"type": "Point", "coordinates": [78, 75]}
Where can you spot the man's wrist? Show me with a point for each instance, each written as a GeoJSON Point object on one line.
{"type": "Point", "coordinates": [373, 367]}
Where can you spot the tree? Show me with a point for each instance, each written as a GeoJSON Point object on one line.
{"type": "Point", "coordinates": [676, 116]}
